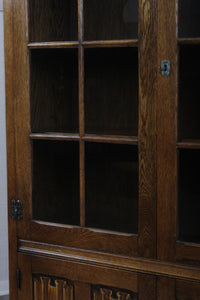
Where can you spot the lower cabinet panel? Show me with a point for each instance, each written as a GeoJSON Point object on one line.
{"type": "Point", "coordinates": [45, 278]}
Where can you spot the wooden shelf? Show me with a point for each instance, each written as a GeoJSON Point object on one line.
{"type": "Point", "coordinates": [188, 144]}
{"type": "Point", "coordinates": [189, 41]}
{"type": "Point", "coordinates": [111, 43]}
{"type": "Point", "coordinates": [87, 137]}
{"type": "Point", "coordinates": [50, 45]}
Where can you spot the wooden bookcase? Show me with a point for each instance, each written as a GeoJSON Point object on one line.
{"type": "Point", "coordinates": [103, 149]}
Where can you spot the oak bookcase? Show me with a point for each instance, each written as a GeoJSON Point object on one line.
{"type": "Point", "coordinates": [103, 143]}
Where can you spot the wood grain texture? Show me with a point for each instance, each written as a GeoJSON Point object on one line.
{"type": "Point", "coordinates": [52, 289]}
{"type": "Point", "coordinates": [25, 291]}
{"type": "Point", "coordinates": [147, 127]}
{"type": "Point", "coordinates": [85, 273]}
{"type": "Point", "coordinates": [187, 290]}
{"type": "Point", "coordinates": [188, 253]}
{"type": "Point", "coordinates": [22, 115]}
{"type": "Point", "coordinates": [10, 128]}
{"type": "Point", "coordinates": [117, 262]}
{"type": "Point", "coordinates": [165, 289]}
{"type": "Point", "coordinates": [146, 287]}
{"type": "Point", "coordinates": [82, 291]}
{"type": "Point", "coordinates": [84, 238]}
{"type": "Point", "coordinates": [167, 133]}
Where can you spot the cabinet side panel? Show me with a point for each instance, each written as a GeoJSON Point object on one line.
{"type": "Point", "coordinates": [147, 127]}
{"type": "Point", "coordinates": [22, 114]}
{"type": "Point", "coordinates": [10, 128]}
{"type": "Point", "coordinates": [166, 133]}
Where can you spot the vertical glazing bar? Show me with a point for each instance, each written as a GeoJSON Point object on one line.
{"type": "Point", "coordinates": [81, 113]}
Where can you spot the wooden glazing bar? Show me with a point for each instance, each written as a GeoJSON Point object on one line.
{"type": "Point", "coordinates": [49, 45]}
{"type": "Point", "coordinates": [115, 43]}
{"type": "Point", "coordinates": [188, 144]}
{"type": "Point", "coordinates": [55, 136]}
{"type": "Point", "coordinates": [110, 139]}
{"type": "Point", "coordinates": [189, 41]}
{"type": "Point", "coordinates": [81, 114]}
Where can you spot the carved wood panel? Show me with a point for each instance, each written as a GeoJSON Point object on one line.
{"type": "Point", "coordinates": [46, 288]}
{"type": "Point", "coordinates": [101, 293]}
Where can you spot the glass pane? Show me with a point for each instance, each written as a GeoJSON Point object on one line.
{"type": "Point", "coordinates": [56, 182]}
{"type": "Point", "coordinates": [53, 20]}
{"type": "Point", "coordinates": [112, 187]}
{"type": "Point", "coordinates": [111, 19]}
{"type": "Point", "coordinates": [54, 90]}
{"type": "Point", "coordinates": [189, 18]}
{"type": "Point", "coordinates": [189, 104]}
{"type": "Point", "coordinates": [111, 91]}
{"type": "Point", "coordinates": [189, 195]}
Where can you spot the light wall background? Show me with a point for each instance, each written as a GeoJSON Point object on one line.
{"type": "Point", "coordinates": [3, 175]}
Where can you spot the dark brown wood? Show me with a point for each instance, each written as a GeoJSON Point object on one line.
{"type": "Point", "coordinates": [188, 253]}
{"type": "Point", "coordinates": [26, 284]}
{"type": "Point", "coordinates": [82, 291]}
{"type": "Point", "coordinates": [131, 264]}
{"type": "Point", "coordinates": [110, 139]}
{"type": "Point", "coordinates": [186, 290]}
{"type": "Point", "coordinates": [111, 43]}
{"type": "Point", "coordinates": [84, 238]}
{"type": "Point", "coordinates": [188, 144]}
{"type": "Point", "coordinates": [189, 41]}
{"type": "Point", "coordinates": [85, 273]}
{"type": "Point", "coordinates": [165, 289]}
{"type": "Point", "coordinates": [146, 287]}
{"type": "Point", "coordinates": [167, 133]}
{"type": "Point", "coordinates": [77, 130]}
{"type": "Point", "coordinates": [11, 154]}
{"type": "Point", "coordinates": [22, 116]}
{"type": "Point", "coordinates": [147, 127]}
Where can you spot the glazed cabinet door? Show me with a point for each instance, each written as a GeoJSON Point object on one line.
{"type": "Point", "coordinates": [84, 128]}
{"type": "Point", "coordinates": [179, 132]}
{"type": "Point", "coordinates": [81, 80]}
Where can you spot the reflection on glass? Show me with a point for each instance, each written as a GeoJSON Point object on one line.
{"type": "Point", "coordinates": [112, 187]}
{"type": "Point", "coordinates": [111, 91]}
{"type": "Point", "coordinates": [110, 19]}
{"type": "Point", "coordinates": [189, 104]}
{"type": "Point", "coordinates": [56, 182]}
{"type": "Point", "coordinates": [189, 18]}
{"type": "Point", "coordinates": [189, 196]}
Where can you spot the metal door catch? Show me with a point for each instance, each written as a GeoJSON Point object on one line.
{"type": "Point", "coordinates": [165, 68]}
